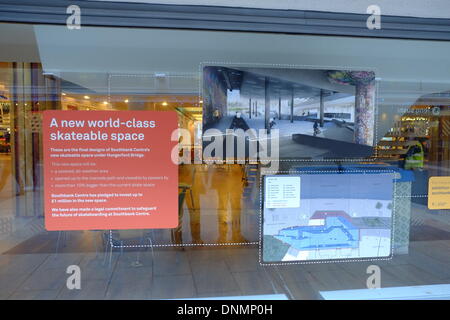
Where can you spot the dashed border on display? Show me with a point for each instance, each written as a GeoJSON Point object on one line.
{"type": "Point", "coordinates": [298, 66]}
{"type": "Point", "coordinates": [286, 66]}
{"type": "Point", "coordinates": [324, 260]}
{"type": "Point", "coordinates": [220, 161]}
{"type": "Point", "coordinates": [225, 244]}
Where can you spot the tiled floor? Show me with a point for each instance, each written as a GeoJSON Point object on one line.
{"type": "Point", "coordinates": [30, 269]}
{"type": "Point", "coordinates": [207, 272]}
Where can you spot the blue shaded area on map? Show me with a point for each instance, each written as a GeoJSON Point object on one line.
{"type": "Point", "coordinates": [337, 232]}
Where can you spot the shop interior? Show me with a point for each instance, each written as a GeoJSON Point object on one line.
{"type": "Point", "coordinates": [215, 251]}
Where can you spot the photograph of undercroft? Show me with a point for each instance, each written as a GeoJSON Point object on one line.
{"type": "Point", "coordinates": [318, 113]}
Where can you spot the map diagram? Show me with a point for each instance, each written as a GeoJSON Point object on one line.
{"type": "Point", "coordinates": [327, 216]}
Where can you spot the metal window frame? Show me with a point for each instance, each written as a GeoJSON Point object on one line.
{"type": "Point", "coordinates": [193, 17]}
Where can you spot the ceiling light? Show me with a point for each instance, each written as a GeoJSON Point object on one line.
{"type": "Point", "coordinates": [87, 97]}
{"type": "Point", "coordinates": [164, 103]}
{"type": "Point", "coordinates": [126, 101]}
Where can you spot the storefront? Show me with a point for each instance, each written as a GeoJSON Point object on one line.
{"type": "Point", "coordinates": [353, 108]}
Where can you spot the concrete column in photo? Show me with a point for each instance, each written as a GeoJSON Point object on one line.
{"type": "Point", "coordinates": [364, 112]}
{"type": "Point", "coordinates": [321, 107]}
{"type": "Point", "coordinates": [364, 82]}
{"type": "Point", "coordinates": [292, 106]}
{"type": "Point", "coordinates": [266, 105]}
{"type": "Point", "coordinates": [250, 108]}
{"type": "Point", "coordinates": [279, 107]}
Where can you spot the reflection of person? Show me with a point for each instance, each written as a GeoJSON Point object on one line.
{"type": "Point", "coordinates": [6, 146]}
{"type": "Point", "coordinates": [216, 114]}
{"type": "Point", "coordinates": [238, 122]}
{"type": "Point", "coordinates": [272, 123]}
{"type": "Point", "coordinates": [188, 185]}
{"type": "Point", "coordinates": [228, 183]}
{"type": "Point", "coordinates": [7, 137]}
{"type": "Point", "coordinates": [5, 173]}
{"type": "Point", "coordinates": [425, 144]}
{"type": "Point", "coordinates": [316, 128]}
{"type": "Point", "coordinates": [414, 158]}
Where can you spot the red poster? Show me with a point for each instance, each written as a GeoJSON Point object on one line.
{"type": "Point", "coordinates": [109, 170]}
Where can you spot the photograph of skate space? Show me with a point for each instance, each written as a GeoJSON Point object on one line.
{"type": "Point", "coordinates": [318, 113]}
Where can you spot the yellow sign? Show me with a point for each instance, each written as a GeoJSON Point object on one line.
{"type": "Point", "coordinates": [439, 193]}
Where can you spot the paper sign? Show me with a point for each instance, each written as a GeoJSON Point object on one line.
{"type": "Point", "coordinates": [439, 193]}
{"type": "Point", "coordinates": [109, 170]}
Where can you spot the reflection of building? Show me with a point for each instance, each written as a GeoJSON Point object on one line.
{"type": "Point", "coordinates": [222, 186]}
{"type": "Point", "coordinates": [21, 116]}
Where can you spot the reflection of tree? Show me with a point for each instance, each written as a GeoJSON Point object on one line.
{"type": "Point", "coordinates": [389, 206]}
{"type": "Point", "coordinates": [378, 206]}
